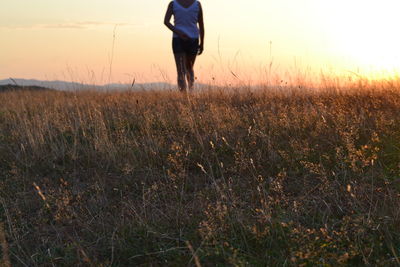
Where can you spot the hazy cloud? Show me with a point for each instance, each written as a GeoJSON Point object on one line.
{"type": "Point", "coordinates": [82, 25]}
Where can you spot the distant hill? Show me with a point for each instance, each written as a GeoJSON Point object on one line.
{"type": "Point", "coordinates": [13, 87]}
{"type": "Point", "coordinates": [57, 85]}
{"type": "Point", "coordinates": [72, 86]}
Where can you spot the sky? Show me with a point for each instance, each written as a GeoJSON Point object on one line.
{"type": "Point", "coordinates": [104, 41]}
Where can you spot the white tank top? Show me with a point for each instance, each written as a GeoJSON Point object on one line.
{"type": "Point", "coordinates": [186, 19]}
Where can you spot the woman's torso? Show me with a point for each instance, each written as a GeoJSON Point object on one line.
{"type": "Point", "coordinates": [186, 18]}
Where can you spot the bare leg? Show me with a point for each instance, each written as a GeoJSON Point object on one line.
{"type": "Point", "coordinates": [180, 60]}
{"type": "Point", "coordinates": [189, 70]}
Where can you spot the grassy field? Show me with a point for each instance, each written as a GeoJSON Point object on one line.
{"type": "Point", "coordinates": [274, 177]}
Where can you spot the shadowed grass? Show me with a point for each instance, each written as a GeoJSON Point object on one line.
{"type": "Point", "coordinates": [291, 177]}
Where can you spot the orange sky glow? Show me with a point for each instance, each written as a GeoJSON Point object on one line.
{"type": "Point", "coordinates": [102, 41]}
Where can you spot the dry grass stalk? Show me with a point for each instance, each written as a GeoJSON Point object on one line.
{"type": "Point", "coordinates": [41, 194]}
{"type": "Point", "coordinates": [4, 245]}
{"type": "Point", "coordinates": [194, 254]}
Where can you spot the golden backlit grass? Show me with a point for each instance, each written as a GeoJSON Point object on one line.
{"type": "Point", "coordinates": [282, 176]}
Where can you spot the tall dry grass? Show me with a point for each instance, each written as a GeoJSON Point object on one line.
{"type": "Point", "coordinates": [282, 176]}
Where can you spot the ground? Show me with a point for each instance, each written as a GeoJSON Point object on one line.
{"type": "Point", "coordinates": [239, 177]}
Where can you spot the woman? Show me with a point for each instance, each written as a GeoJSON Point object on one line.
{"type": "Point", "coordinates": [188, 25]}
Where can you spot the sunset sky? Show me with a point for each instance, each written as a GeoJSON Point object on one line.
{"type": "Point", "coordinates": [73, 40]}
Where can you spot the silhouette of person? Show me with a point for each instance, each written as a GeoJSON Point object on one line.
{"type": "Point", "coordinates": [188, 26]}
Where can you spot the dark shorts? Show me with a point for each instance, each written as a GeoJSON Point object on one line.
{"type": "Point", "coordinates": [190, 46]}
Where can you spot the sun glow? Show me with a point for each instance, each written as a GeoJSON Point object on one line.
{"type": "Point", "coordinates": [365, 33]}
{"type": "Point", "coordinates": [360, 36]}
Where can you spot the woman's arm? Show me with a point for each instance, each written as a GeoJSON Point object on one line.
{"type": "Point", "coordinates": [167, 22]}
{"type": "Point", "coordinates": [201, 25]}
